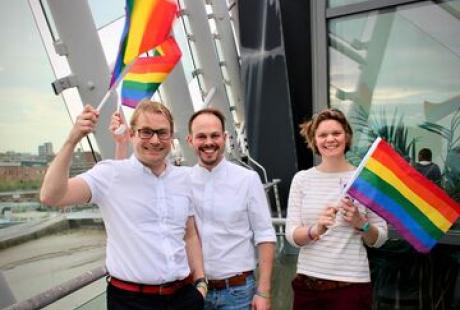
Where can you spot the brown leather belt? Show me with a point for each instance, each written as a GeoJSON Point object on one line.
{"type": "Point", "coordinates": [316, 284]}
{"type": "Point", "coordinates": [239, 279]}
{"type": "Point", "coordinates": [162, 289]}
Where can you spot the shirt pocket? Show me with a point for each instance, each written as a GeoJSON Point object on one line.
{"type": "Point", "coordinates": [179, 209]}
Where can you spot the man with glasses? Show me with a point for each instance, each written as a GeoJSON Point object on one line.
{"type": "Point", "coordinates": [232, 216]}
{"type": "Point", "coordinates": [153, 250]}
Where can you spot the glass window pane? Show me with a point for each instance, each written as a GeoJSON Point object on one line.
{"type": "Point", "coordinates": [31, 114]}
{"type": "Point", "coordinates": [397, 76]}
{"type": "Point", "coordinates": [105, 13]}
{"type": "Point", "coordinates": [34, 124]}
{"type": "Point", "coordinates": [336, 3]}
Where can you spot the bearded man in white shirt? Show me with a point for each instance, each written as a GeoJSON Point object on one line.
{"type": "Point", "coordinates": [153, 250]}
{"type": "Point", "coordinates": [233, 220]}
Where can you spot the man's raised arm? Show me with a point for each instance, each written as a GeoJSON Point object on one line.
{"type": "Point", "coordinates": [57, 189]}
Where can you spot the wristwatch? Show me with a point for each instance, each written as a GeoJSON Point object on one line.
{"type": "Point", "coordinates": [365, 227]}
{"type": "Point", "coordinates": [202, 282]}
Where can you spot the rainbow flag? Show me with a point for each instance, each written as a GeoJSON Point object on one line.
{"type": "Point", "coordinates": [147, 73]}
{"type": "Point", "coordinates": [418, 209]}
{"type": "Point", "coordinates": [148, 23]}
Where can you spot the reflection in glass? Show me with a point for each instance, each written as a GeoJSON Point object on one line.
{"type": "Point", "coordinates": [336, 3]}
{"type": "Point", "coordinates": [397, 76]}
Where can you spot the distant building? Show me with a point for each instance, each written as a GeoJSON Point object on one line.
{"type": "Point", "coordinates": [45, 151]}
{"type": "Point", "coordinates": [82, 161]}
{"type": "Point", "coordinates": [16, 157]}
{"type": "Point", "coordinates": [17, 171]}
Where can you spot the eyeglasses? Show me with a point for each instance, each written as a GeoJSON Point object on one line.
{"type": "Point", "coordinates": [148, 133]}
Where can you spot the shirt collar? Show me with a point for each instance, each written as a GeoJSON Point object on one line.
{"type": "Point", "coordinates": [139, 166]}
{"type": "Point", "coordinates": [217, 170]}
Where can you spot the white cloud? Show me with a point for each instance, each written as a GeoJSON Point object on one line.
{"type": "Point", "coordinates": [33, 118]}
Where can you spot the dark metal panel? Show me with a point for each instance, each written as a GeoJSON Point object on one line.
{"type": "Point", "coordinates": [297, 44]}
{"type": "Point", "coordinates": [267, 105]}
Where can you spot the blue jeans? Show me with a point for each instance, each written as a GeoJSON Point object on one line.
{"type": "Point", "coordinates": [232, 298]}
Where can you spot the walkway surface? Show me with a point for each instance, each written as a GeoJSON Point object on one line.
{"type": "Point", "coordinates": [20, 233]}
{"type": "Point", "coordinates": [34, 266]}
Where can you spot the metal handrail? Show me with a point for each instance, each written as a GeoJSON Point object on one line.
{"type": "Point", "coordinates": [50, 296]}
{"type": "Point", "coordinates": [62, 290]}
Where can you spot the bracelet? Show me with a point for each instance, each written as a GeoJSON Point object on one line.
{"type": "Point", "coordinates": [365, 227]}
{"type": "Point", "coordinates": [310, 236]}
{"type": "Point", "coordinates": [265, 295]}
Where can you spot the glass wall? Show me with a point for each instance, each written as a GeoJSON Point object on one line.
{"type": "Point", "coordinates": [396, 75]}
{"type": "Point", "coordinates": [336, 3]}
{"type": "Point", "coordinates": [41, 247]}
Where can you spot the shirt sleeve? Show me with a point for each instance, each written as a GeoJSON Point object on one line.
{"type": "Point", "coordinates": [99, 178]}
{"type": "Point", "coordinates": [259, 212]}
{"type": "Point", "coordinates": [381, 226]}
{"type": "Point", "coordinates": [293, 219]}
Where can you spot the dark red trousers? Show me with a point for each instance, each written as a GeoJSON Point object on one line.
{"type": "Point", "coordinates": [353, 297]}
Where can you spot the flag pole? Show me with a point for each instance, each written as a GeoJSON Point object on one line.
{"type": "Point", "coordinates": [361, 165]}
{"type": "Point", "coordinates": [114, 86]}
{"type": "Point", "coordinates": [122, 128]}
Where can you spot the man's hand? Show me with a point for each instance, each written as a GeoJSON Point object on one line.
{"type": "Point", "coordinates": [84, 124]}
{"type": "Point", "coordinates": [261, 303]}
{"type": "Point", "coordinates": [117, 122]}
{"type": "Point", "coordinates": [202, 290]}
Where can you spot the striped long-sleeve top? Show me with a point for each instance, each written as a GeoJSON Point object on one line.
{"type": "Point", "coordinates": [339, 254]}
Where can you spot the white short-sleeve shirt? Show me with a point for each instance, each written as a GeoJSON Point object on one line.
{"type": "Point", "coordinates": [145, 218]}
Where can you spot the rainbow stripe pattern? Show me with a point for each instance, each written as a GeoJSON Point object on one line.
{"type": "Point", "coordinates": [418, 209]}
{"type": "Point", "coordinates": [147, 73]}
{"type": "Point", "coordinates": [148, 23]}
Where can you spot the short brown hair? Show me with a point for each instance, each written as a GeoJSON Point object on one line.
{"type": "Point", "coordinates": [148, 106]}
{"type": "Point", "coordinates": [308, 128]}
{"type": "Point", "coordinates": [211, 111]}
{"type": "Point", "coordinates": [425, 155]}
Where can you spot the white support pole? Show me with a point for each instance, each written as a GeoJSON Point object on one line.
{"type": "Point", "coordinates": [230, 55]}
{"type": "Point", "coordinates": [209, 63]}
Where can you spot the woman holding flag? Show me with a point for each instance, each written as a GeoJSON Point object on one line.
{"type": "Point", "coordinates": [330, 229]}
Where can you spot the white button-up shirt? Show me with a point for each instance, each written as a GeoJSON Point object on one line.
{"type": "Point", "coordinates": [232, 215]}
{"type": "Point", "coordinates": [145, 218]}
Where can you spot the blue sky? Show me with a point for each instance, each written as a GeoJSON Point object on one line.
{"type": "Point", "coordinates": [30, 113]}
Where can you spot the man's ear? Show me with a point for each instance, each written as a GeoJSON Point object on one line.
{"type": "Point", "coordinates": [189, 139]}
